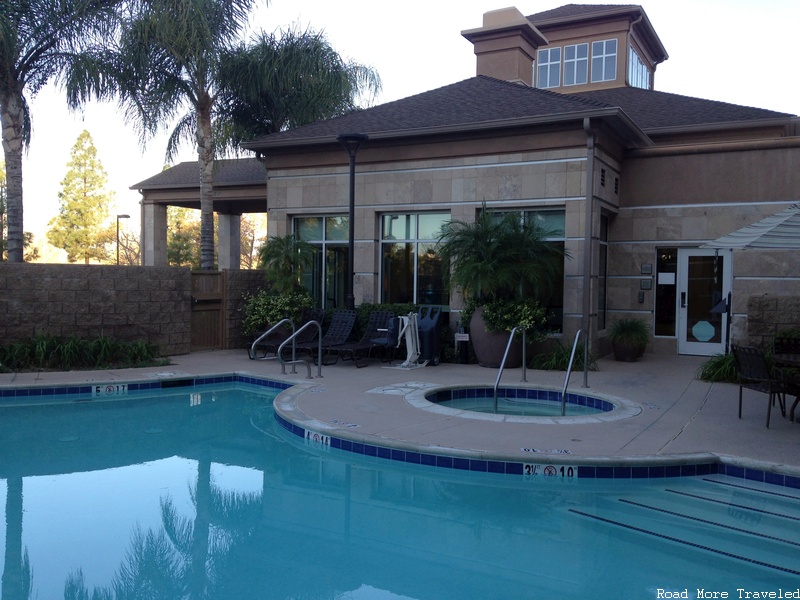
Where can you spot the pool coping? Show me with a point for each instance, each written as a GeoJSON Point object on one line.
{"type": "Point", "coordinates": [339, 435]}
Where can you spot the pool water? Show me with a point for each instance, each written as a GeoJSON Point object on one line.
{"type": "Point", "coordinates": [198, 493]}
{"type": "Point", "coordinates": [521, 407]}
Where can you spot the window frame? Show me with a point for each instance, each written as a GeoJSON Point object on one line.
{"type": "Point", "coordinates": [603, 59]}
{"type": "Point", "coordinates": [417, 245]}
{"type": "Point", "coordinates": [549, 64]}
{"type": "Point", "coordinates": [571, 65]}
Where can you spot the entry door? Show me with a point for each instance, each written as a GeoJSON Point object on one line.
{"type": "Point", "coordinates": [704, 280]}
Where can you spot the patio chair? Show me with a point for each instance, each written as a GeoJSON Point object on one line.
{"type": "Point", "coordinates": [361, 351]}
{"type": "Point", "coordinates": [754, 374]}
{"type": "Point", "coordinates": [338, 332]}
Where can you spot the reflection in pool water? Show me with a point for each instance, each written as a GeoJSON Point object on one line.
{"type": "Point", "coordinates": [200, 495]}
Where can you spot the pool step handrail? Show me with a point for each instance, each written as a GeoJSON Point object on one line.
{"type": "Point", "coordinates": [503, 362]}
{"type": "Point", "coordinates": [295, 361]}
{"type": "Point", "coordinates": [252, 351]}
{"type": "Point", "coordinates": [569, 368]}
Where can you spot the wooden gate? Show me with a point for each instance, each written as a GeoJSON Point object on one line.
{"type": "Point", "coordinates": [208, 310]}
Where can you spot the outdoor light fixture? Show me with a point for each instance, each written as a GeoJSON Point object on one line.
{"type": "Point", "coordinates": [118, 218]}
{"type": "Point", "coordinates": [351, 143]}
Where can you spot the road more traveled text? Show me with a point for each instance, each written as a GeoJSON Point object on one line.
{"type": "Point", "coordinates": [739, 593]}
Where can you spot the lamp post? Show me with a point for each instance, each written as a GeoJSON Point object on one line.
{"type": "Point", "coordinates": [118, 218]}
{"type": "Point", "coordinates": [351, 142]}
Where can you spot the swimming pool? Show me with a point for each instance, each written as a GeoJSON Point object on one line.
{"type": "Point", "coordinates": [200, 493]}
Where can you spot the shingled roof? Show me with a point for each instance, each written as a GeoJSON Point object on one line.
{"type": "Point", "coordinates": [483, 102]}
{"type": "Point", "coordinates": [227, 172]}
{"type": "Point", "coordinates": [571, 11]}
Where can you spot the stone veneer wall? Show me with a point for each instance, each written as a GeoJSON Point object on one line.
{"type": "Point", "coordinates": [768, 316]}
{"type": "Point", "coordinates": [239, 284]}
{"type": "Point", "coordinates": [127, 303]}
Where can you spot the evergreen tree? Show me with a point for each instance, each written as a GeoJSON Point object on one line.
{"type": "Point", "coordinates": [80, 227]}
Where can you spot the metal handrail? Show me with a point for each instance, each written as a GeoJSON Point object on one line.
{"type": "Point", "coordinates": [503, 362]}
{"type": "Point", "coordinates": [569, 368]}
{"type": "Point", "coordinates": [294, 360]}
{"type": "Point", "coordinates": [252, 351]}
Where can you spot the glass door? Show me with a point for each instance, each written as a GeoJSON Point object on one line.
{"type": "Point", "coordinates": [704, 283]}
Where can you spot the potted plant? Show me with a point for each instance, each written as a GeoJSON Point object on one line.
{"type": "Point", "coordinates": [501, 263]}
{"type": "Point", "coordinates": [629, 338]}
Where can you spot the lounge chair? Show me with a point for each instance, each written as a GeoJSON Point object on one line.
{"type": "Point", "coordinates": [337, 334]}
{"type": "Point", "coordinates": [360, 352]}
{"type": "Point", "coordinates": [754, 374]}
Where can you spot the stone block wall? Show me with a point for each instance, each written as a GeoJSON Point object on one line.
{"type": "Point", "coordinates": [768, 316]}
{"type": "Point", "coordinates": [127, 303]}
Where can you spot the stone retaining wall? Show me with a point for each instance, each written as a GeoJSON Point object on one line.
{"type": "Point", "coordinates": [127, 303]}
{"type": "Point", "coordinates": [768, 316]}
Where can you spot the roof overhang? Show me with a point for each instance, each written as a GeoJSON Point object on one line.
{"type": "Point", "coordinates": [615, 118]}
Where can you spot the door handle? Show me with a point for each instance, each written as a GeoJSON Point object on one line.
{"type": "Point", "coordinates": [683, 299]}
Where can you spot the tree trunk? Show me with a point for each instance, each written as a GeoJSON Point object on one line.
{"type": "Point", "coordinates": [11, 119]}
{"type": "Point", "coordinates": [205, 154]}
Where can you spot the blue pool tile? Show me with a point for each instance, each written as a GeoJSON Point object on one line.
{"type": "Point", "coordinates": [358, 448]}
{"type": "Point", "coordinates": [734, 471]}
{"type": "Point", "coordinates": [604, 472]}
{"type": "Point", "coordinates": [774, 478]}
{"type": "Point", "coordinates": [428, 459]}
{"type": "Point", "coordinates": [345, 444]}
{"type": "Point", "coordinates": [478, 465]}
{"type": "Point", "coordinates": [413, 457]}
{"type": "Point", "coordinates": [370, 450]}
{"type": "Point", "coordinates": [640, 472]}
{"type": "Point", "coordinates": [514, 468]}
{"type": "Point", "coordinates": [336, 443]}
{"type": "Point", "coordinates": [384, 452]}
{"type": "Point", "coordinates": [656, 472]}
{"type": "Point", "coordinates": [586, 472]}
{"type": "Point", "coordinates": [399, 455]}
{"type": "Point", "coordinates": [496, 466]}
{"type": "Point", "coordinates": [622, 472]}
{"type": "Point", "coordinates": [461, 463]}
{"type": "Point", "coordinates": [688, 470]}
{"type": "Point", "coordinates": [444, 461]}
{"type": "Point", "coordinates": [792, 482]}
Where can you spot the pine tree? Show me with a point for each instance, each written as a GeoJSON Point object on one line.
{"type": "Point", "coordinates": [80, 227]}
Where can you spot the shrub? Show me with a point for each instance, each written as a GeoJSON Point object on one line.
{"type": "Point", "coordinates": [47, 352]}
{"type": "Point", "coordinates": [719, 368]}
{"type": "Point", "coordinates": [269, 308]}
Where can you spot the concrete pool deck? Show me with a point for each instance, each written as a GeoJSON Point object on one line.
{"type": "Point", "coordinates": [680, 419]}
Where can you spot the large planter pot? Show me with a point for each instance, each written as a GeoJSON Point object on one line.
{"type": "Point", "coordinates": [489, 346]}
{"type": "Point", "coordinates": [627, 351]}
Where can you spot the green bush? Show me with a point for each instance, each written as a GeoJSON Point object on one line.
{"type": "Point", "coordinates": [48, 352]}
{"type": "Point", "coordinates": [269, 308]}
{"type": "Point", "coordinates": [719, 368]}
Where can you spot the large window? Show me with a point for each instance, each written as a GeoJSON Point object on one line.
{"type": "Point", "coordinates": [638, 73]}
{"type": "Point", "coordinates": [604, 60]}
{"type": "Point", "coordinates": [552, 222]}
{"type": "Point", "coordinates": [576, 64]}
{"type": "Point", "coordinates": [411, 268]}
{"type": "Point", "coordinates": [548, 74]}
{"type": "Point", "coordinates": [327, 280]}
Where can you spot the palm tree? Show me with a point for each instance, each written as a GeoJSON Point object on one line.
{"type": "Point", "coordinates": [166, 60]}
{"type": "Point", "coordinates": [280, 81]}
{"type": "Point", "coordinates": [39, 39]}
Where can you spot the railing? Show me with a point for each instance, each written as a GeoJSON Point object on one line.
{"type": "Point", "coordinates": [294, 360]}
{"type": "Point", "coordinates": [503, 362]}
{"type": "Point", "coordinates": [252, 351]}
{"type": "Point", "coordinates": [569, 369]}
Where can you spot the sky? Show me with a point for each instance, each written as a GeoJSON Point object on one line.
{"type": "Point", "coordinates": [738, 51]}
